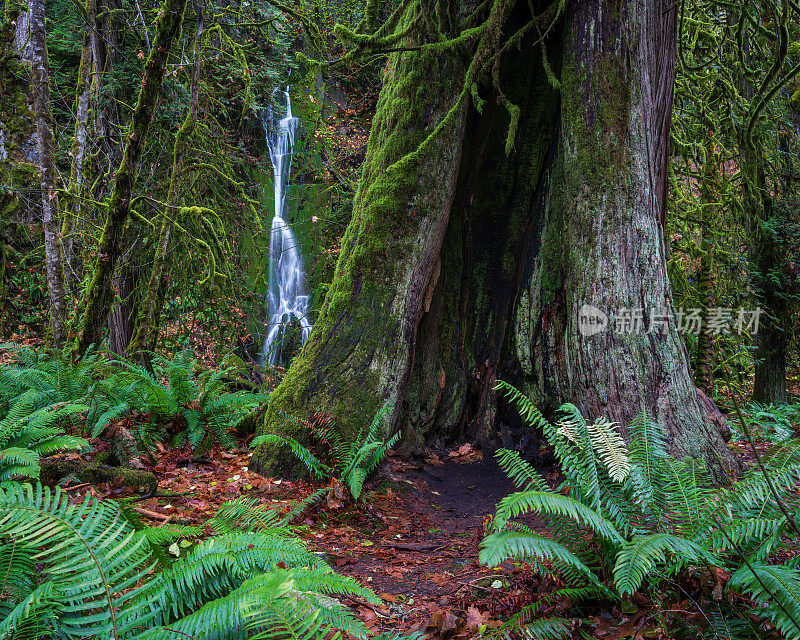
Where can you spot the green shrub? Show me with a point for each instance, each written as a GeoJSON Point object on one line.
{"type": "Point", "coordinates": [627, 520]}
{"type": "Point", "coordinates": [352, 461]}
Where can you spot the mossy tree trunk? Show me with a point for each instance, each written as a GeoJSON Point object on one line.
{"type": "Point", "coordinates": [72, 205]}
{"type": "Point", "coordinates": [360, 352]}
{"type": "Point", "coordinates": [100, 292]}
{"type": "Point", "coordinates": [478, 262]}
{"type": "Point", "coordinates": [765, 257]}
{"type": "Point", "coordinates": [704, 358]}
{"type": "Point", "coordinates": [603, 238]}
{"type": "Point", "coordinates": [104, 34]}
{"type": "Point", "coordinates": [145, 335]}
{"type": "Point", "coordinates": [40, 76]}
{"type": "Point", "coordinates": [463, 337]}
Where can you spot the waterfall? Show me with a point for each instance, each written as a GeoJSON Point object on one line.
{"type": "Point", "coordinates": [287, 297]}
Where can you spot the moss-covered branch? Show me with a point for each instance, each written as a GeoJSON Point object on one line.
{"type": "Point", "coordinates": [100, 293]}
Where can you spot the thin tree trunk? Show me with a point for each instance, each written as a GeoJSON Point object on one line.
{"type": "Point", "coordinates": [123, 314]}
{"type": "Point", "coordinates": [40, 75]}
{"type": "Point", "coordinates": [100, 293]}
{"type": "Point", "coordinates": [106, 119]}
{"type": "Point", "coordinates": [72, 206]}
{"type": "Point", "coordinates": [769, 384]}
{"type": "Point", "coordinates": [146, 331]}
{"type": "Point", "coordinates": [704, 360]}
{"type": "Point", "coordinates": [772, 339]}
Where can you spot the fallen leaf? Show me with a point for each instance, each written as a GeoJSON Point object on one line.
{"type": "Point", "coordinates": [475, 618]}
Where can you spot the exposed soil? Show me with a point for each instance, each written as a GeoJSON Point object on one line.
{"type": "Point", "coordinates": [416, 544]}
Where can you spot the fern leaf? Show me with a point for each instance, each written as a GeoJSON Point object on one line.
{"type": "Point", "coordinates": [520, 472]}
{"type": "Point", "coordinates": [777, 589]}
{"type": "Point", "coordinates": [91, 555]}
{"type": "Point", "coordinates": [638, 558]}
{"type": "Point", "coordinates": [610, 447]}
{"type": "Point", "coordinates": [503, 545]}
{"type": "Point", "coordinates": [554, 504]}
{"type": "Point", "coordinates": [314, 466]}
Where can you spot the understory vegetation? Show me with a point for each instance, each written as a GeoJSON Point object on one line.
{"type": "Point", "coordinates": [72, 569]}
{"type": "Point", "coordinates": [400, 319]}
{"type": "Point", "coordinates": [633, 519]}
{"type": "Point", "coordinates": [351, 462]}
{"type": "Point", "coordinates": [86, 569]}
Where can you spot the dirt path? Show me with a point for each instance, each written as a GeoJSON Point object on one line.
{"type": "Point", "coordinates": [416, 544]}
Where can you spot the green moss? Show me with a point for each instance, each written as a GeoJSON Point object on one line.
{"type": "Point", "coordinates": [96, 473]}
{"type": "Point", "coordinates": [338, 371]}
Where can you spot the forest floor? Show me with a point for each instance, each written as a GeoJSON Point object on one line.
{"type": "Point", "coordinates": [413, 538]}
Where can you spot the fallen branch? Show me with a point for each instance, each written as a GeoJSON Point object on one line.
{"type": "Point", "coordinates": [78, 486]}
{"type": "Point", "coordinates": [96, 473]}
{"type": "Point", "coordinates": [152, 514]}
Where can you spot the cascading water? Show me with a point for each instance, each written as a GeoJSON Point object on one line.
{"type": "Point", "coordinates": [287, 297]}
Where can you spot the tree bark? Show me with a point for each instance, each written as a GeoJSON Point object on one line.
{"type": "Point", "coordinates": [775, 326]}
{"type": "Point", "coordinates": [477, 264]}
{"type": "Point", "coordinates": [100, 293]}
{"type": "Point", "coordinates": [40, 75]}
{"type": "Point", "coordinates": [145, 335]}
{"type": "Point", "coordinates": [72, 205]}
{"type": "Point", "coordinates": [772, 339]}
{"type": "Point", "coordinates": [121, 320]}
{"type": "Point", "coordinates": [462, 342]}
{"type": "Point", "coordinates": [22, 34]}
{"type": "Point", "coordinates": [704, 358]}
{"type": "Point", "coordinates": [106, 120]}
{"type": "Point", "coordinates": [602, 243]}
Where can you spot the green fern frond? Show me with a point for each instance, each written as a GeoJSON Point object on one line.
{"type": "Point", "coordinates": [746, 533]}
{"type": "Point", "coordinates": [529, 412]}
{"type": "Point", "coordinates": [639, 558]}
{"type": "Point", "coordinates": [91, 555]}
{"type": "Point", "coordinates": [32, 615]}
{"type": "Point", "coordinates": [777, 589]}
{"type": "Point", "coordinates": [686, 494]}
{"type": "Point", "coordinates": [574, 449]}
{"type": "Point", "coordinates": [520, 472]}
{"type": "Point", "coordinates": [314, 466]}
{"type": "Point", "coordinates": [246, 514]}
{"type": "Point", "coordinates": [301, 505]}
{"type": "Point", "coordinates": [541, 629]}
{"type": "Point", "coordinates": [28, 433]}
{"type": "Point", "coordinates": [554, 504]}
{"type": "Point", "coordinates": [500, 546]}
